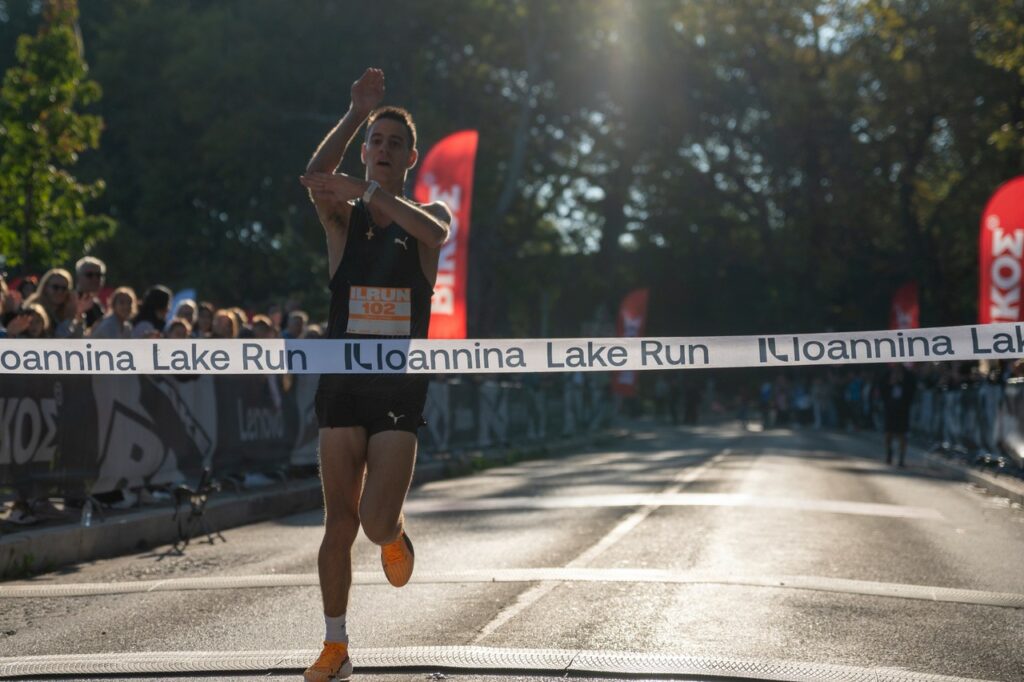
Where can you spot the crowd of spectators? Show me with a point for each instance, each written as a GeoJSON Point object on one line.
{"type": "Point", "coordinates": [60, 305]}
{"type": "Point", "coordinates": [65, 306]}
{"type": "Point", "coordinates": [852, 399]}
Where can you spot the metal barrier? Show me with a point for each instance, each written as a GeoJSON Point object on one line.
{"type": "Point", "coordinates": [979, 422]}
{"type": "Point", "coordinates": [74, 437]}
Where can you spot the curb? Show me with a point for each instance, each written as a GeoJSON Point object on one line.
{"type": "Point", "coordinates": [41, 550]}
{"type": "Point", "coordinates": [1001, 486]}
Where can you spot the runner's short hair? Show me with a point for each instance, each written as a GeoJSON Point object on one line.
{"type": "Point", "coordinates": [395, 114]}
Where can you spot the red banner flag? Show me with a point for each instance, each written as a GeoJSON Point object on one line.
{"type": "Point", "coordinates": [632, 322]}
{"type": "Point", "coordinates": [1002, 255]}
{"type": "Point", "coordinates": [447, 175]}
{"type": "Point", "coordinates": [905, 312]}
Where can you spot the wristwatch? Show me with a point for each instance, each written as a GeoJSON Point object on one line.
{"type": "Point", "coordinates": [374, 185]}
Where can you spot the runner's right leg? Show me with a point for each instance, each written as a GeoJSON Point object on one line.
{"type": "Point", "coordinates": [342, 463]}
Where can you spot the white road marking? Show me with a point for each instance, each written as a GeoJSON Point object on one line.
{"type": "Point", "coordinates": [526, 575]}
{"type": "Point", "coordinates": [537, 592]}
{"type": "Point", "coordinates": [671, 499]}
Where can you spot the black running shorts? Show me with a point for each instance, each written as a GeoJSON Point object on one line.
{"type": "Point", "coordinates": [376, 413]}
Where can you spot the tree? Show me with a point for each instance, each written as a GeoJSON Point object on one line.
{"type": "Point", "coordinates": [1001, 44]}
{"type": "Point", "coordinates": [45, 221]}
{"type": "Point", "coordinates": [757, 164]}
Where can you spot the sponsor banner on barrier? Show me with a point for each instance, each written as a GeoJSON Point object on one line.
{"type": "Point", "coordinates": [420, 356]}
{"type": "Point", "coordinates": [151, 431]}
{"type": "Point", "coordinates": [92, 435]}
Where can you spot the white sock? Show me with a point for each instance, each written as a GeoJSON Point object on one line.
{"type": "Point", "coordinates": [335, 629]}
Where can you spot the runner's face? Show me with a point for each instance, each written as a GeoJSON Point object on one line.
{"type": "Point", "coordinates": [386, 151]}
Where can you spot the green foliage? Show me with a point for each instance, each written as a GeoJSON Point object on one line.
{"type": "Point", "coordinates": [43, 132]}
{"type": "Point", "coordinates": [1000, 29]}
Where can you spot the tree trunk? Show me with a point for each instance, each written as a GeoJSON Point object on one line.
{"type": "Point", "coordinates": [28, 218]}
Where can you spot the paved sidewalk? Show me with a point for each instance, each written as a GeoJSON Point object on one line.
{"type": "Point", "coordinates": [41, 549]}
{"type": "Point", "coordinates": [1004, 485]}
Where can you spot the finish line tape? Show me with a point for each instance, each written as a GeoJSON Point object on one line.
{"type": "Point", "coordinates": [502, 356]}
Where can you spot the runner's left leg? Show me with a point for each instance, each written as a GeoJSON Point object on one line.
{"type": "Point", "coordinates": [391, 456]}
{"type": "Point", "coordinates": [390, 459]}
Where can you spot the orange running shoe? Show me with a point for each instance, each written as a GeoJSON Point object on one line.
{"type": "Point", "coordinates": [333, 664]}
{"type": "Point", "coordinates": [397, 559]}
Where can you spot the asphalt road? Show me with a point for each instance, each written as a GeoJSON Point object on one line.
{"type": "Point", "coordinates": [711, 547]}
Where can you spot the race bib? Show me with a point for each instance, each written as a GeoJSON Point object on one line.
{"type": "Point", "coordinates": [381, 311]}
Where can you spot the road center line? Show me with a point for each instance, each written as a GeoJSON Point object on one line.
{"type": "Point", "coordinates": [682, 479]}
{"type": "Point", "coordinates": [538, 591]}
{"type": "Point", "coordinates": [673, 499]}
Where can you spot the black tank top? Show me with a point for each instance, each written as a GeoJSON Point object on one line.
{"type": "Point", "coordinates": [379, 291]}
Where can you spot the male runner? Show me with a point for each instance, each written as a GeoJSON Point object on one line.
{"type": "Point", "coordinates": [382, 250]}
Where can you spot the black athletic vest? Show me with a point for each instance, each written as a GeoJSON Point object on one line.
{"type": "Point", "coordinates": [379, 282]}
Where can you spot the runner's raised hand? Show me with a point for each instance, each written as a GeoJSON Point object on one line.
{"type": "Point", "coordinates": [368, 91]}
